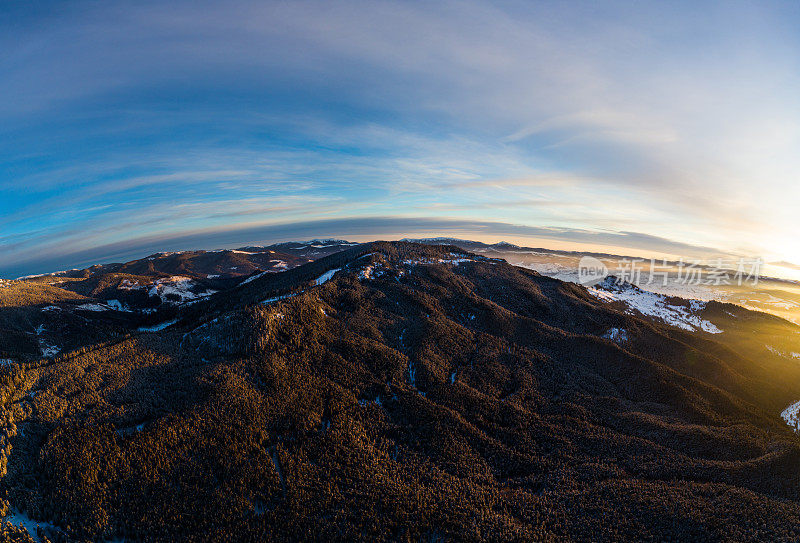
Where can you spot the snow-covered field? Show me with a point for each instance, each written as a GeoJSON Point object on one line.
{"type": "Point", "coordinates": [177, 288]}
{"type": "Point", "coordinates": [654, 305]}
{"type": "Point", "coordinates": [173, 289]}
{"type": "Point", "coordinates": [774, 296]}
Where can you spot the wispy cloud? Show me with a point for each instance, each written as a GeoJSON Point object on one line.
{"type": "Point", "coordinates": [127, 120]}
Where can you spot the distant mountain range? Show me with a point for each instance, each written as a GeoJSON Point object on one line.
{"type": "Point", "coordinates": [173, 278]}
{"type": "Point", "coordinates": [502, 246]}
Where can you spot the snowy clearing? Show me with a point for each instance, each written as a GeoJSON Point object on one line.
{"type": "Point", "coordinates": [176, 289]}
{"type": "Point", "coordinates": [371, 272]}
{"type": "Point", "coordinates": [325, 277]}
{"type": "Point", "coordinates": [654, 305]}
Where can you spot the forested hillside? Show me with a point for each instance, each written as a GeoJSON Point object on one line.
{"type": "Point", "coordinates": [402, 392]}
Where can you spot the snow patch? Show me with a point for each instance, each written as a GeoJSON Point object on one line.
{"type": "Point", "coordinates": [21, 519]}
{"type": "Point", "coordinates": [130, 430]}
{"type": "Point", "coordinates": [778, 352]}
{"type": "Point", "coordinates": [49, 351]}
{"type": "Point", "coordinates": [127, 284]}
{"type": "Point", "coordinates": [93, 307]}
{"type": "Point", "coordinates": [253, 278]}
{"type": "Point", "coordinates": [376, 401]}
{"type": "Point", "coordinates": [654, 305]}
{"type": "Point", "coordinates": [157, 327]}
{"type": "Point", "coordinates": [111, 305]}
{"type": "Point", "coordinates": [325, 277]}
{"type": "Point", "coordinates": [178, 287]}
{"type": "Point", "coordinates": [780, 302]}
{"type": "Point", "coordinates": [279, 298]}
{"type": "Point", "coordinates": [117, 306]}
{"type": "Point", "coordinates": [617, 335]}
{"type": "Point", "coordinates": [792, 415]}
{"type": "Point", "coordinates": [455, 260]}
{"type": "Point", "coordinates": [371, 272]}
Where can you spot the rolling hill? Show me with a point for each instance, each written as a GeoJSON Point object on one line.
{"type": "Point", "coordinates": [402, 392]}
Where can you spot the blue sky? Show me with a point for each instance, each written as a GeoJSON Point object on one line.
{"type": "Point", "coordinates": [654, 128]}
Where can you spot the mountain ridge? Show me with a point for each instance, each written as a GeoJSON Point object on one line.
{"type": "Point", "coordinates": [395, 391]}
